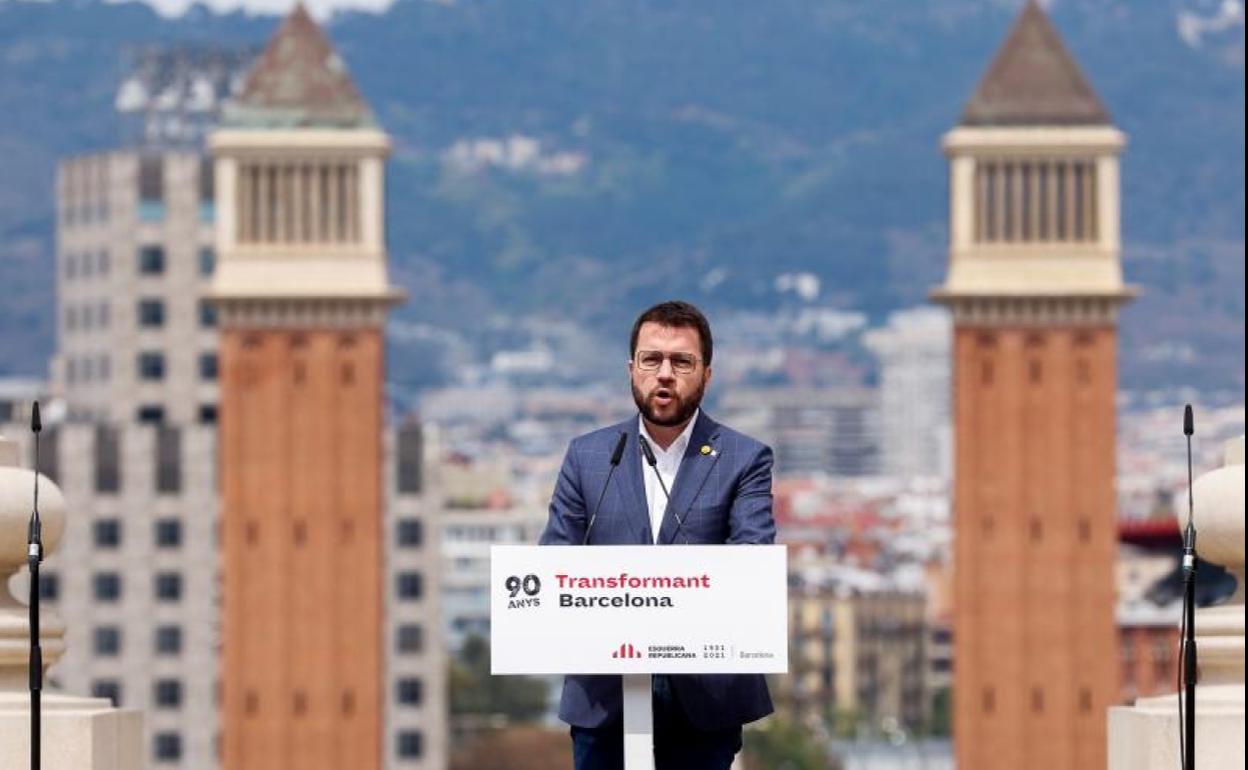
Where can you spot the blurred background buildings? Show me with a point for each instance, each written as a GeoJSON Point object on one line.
{"type": "Point", "coordinates": [856, 401]}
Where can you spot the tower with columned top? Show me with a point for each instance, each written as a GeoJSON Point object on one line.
{"type": "Point", "coordinates": [302, 288]}
{"type": "Point", "coordinates": [1034, 285]}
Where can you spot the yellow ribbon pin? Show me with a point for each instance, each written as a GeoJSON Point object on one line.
{"type": "Point", "coordinates": [706, 449]}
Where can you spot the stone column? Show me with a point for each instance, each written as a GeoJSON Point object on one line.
{"type": "Point", "coordinates": [1146, 736]}
{"type": "Point", "coordinates": [78, 733]}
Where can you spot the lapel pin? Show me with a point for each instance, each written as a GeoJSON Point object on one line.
{"type": "Point", "coordinates": [706, 450]}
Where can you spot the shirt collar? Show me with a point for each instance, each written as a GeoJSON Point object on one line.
{"type": "Point", "coordinates": [679, 445]}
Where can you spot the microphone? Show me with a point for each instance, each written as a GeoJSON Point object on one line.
{"type": "Point", "coordinates": [34, 555]}
{"type": "Point", "coordinates": [654, 466]}
{"type": "Point", "coordinates": [616, 454]}
{"type": "Point", "coordinates": [1187, 633]}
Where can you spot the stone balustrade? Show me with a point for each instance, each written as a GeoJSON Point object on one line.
{"type": "Point", "coordinates": [78, 733]}
{"type": "Point", "coordinates": [1146, 736]}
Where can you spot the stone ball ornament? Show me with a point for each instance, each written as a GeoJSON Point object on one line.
{"type": "Point", "coordinates": [17, 487]}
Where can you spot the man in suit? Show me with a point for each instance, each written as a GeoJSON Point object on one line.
{"type": "Point", "coordinates": [720, 485]}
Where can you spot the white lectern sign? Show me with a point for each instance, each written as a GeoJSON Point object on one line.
{"type": "Point", "coordinates": [636, 609]}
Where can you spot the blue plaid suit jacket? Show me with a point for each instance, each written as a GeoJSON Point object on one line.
{"type": "Point", "coordinates": [722, 498]}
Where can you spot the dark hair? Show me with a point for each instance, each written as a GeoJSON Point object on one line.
{"type": "Point", "coordinates": [675, 314]}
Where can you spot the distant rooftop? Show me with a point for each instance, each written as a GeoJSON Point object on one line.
{"type": "Point", "coordinates": [1034, 81]}
{"type": "Point", "coordinates": [171, 95]}
{"type": "Point", "coordinates": [299, 81]}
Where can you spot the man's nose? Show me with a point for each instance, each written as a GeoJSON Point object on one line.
{"type": "Point", "coordinates": [666, 372]}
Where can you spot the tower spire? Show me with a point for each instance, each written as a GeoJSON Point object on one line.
{"type": "Point", "coordinates": [299, 81]}
{"type": "Point", "coordinates": [1034, 81]}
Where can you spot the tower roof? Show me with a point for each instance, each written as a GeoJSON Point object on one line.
{"type": "Point", "coordinates": [299, 81]}
{"type": "Point", "coordinates": [1034, 81]}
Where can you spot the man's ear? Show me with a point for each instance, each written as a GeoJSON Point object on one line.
{"type": "Point", "coordinates": [706, 378]}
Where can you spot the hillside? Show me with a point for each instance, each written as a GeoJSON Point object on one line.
{"type": "Point", "coordinates": [664, 147]}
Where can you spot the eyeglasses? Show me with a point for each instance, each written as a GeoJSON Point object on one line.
{"type": "Point", "coordinates": [652, 361]}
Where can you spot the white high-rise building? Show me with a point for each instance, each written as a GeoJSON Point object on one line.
{"type": "Point", "coordinates": [913, 352]}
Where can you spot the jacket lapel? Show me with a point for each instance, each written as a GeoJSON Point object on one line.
{"type": "Point", "coordinates": [695, 467]}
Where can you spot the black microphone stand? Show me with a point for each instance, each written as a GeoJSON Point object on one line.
{"type": "Point", "coordinates": [616, 454]}
{"type": "Point", "coordinates": [1187, 730]}
{"type": "Point", "coordinates": [34, 555]}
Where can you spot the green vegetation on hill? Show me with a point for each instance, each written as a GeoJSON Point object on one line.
{"type": "Point", "coordinates": [720, 144]}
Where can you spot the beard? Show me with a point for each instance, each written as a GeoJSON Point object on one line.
{"type": "Point", "coordinates": [684, 407]}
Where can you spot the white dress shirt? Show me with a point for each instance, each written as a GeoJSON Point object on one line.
{"type": "Point", "coordinates": [668, 463]}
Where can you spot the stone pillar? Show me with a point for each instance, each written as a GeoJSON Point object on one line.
{"type": "Point", "coordinates": [78, 733]}
{"type": "Point", "coordinates": [1146, 736]}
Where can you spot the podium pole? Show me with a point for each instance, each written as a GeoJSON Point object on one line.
{"type": "Point", "coordinates": [638, 722]}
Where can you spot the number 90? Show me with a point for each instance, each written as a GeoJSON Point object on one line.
{"type": "Point", "coordinates": [531, 585]}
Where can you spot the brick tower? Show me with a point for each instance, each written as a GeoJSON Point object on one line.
{"type": "Point", "coordinates": [1034, 285]}
{"type": "Point", "coordinates": [302, 289]}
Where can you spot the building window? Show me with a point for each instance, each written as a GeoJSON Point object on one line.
{"type": "Point", "coordinates": [107, 688]}
{"type": "Point", "coordinates": [151, 313]}
{"type": "Point", "coordinates": [106, 586]}
{"type": "Point", "coordinates": [411, 744]}
{"type": "Point", "coordinates": [168, 640]}
{"type": "Point", "coordinates": [168, 533]}
{"type": "Point", "coordinates": [168, 460]}
{"type": "Point", "coordinates": [411, 466]}
{"type": "Point", "coordinates": [107, 640]}
{"type": "Point", "coordinates": [207, 191]}
{"type": "Point", "coordinates": [50, 586]}
{"type": "Point", "coordinates": [71, 265]}
{"type": "Point", "coordinates": [1083, 371]}
{"type": "Point", "coordinates": [207, 414]}
{"type": "Point", "coordinates": [985, 372]}
{"type": "Point", "coordinates": [151, 188]}
{"type": "Point", "coordinates": [107, 459]}
{"type": "Point", "coordinates": [107, 533]}
{"type": "Point", "coordinates": [167, 693]}
{"type": "Point", "coordinates": [410, 692]}
{"type": "Point", "coordinates": [151, 366]}
{"type": "Point", "coordinates": [410, 638]}
{"type": "Point", "coordinates": [208, 366]}
{"type": "Point", "coordinates": [151, 414]}
{"type": "Point", "coordinates": [152, 260]}
{"type": "Point", "coordinates": [207, 314]}
{"type": "Point", "coordinates": [167, 746]}
{"type": "Point", "coordinates": [411, 585]}
{"type": "Point", "coordinates": [207, 261]}
{"type": "Point", "coordinates": [411, 533]}
{"type": "Point", "coordinates": [168, 586]}
{"type": "Point", "coordinates": [104, 262]}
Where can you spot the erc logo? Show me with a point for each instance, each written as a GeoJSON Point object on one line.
{"type": "Point", "coordinates": [627, 651]}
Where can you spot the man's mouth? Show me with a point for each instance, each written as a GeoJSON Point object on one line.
{"type": "Point", "coordinates": [663, 397]}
